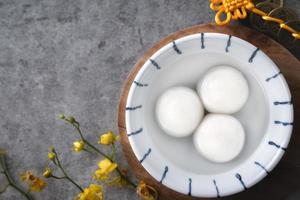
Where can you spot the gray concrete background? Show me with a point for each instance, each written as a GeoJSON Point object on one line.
{"type": "Point", "coordinates": [72, 56]}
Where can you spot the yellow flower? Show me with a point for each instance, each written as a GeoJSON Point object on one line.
{"type": "Point", "coordinates": [93, 192]}
{"type": "Point", "coordinates": [78, 146]}
{"type": "Point", "coordinates": [146, 192]}
{"type": "Point", "coordinates": [105, 168]}
{"type": "Point", "coordinates": [51, 156]}
{"type": "Point", "coordinates": [35, 183]}
{"type": "Point", "coordinates": [27, 176]}
{"type": "Point", "coordinates": [47, 173]}
{"type": "Point", "coordinates": [108, 138]}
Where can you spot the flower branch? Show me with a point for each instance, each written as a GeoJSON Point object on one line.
{"type": "Point", "coordinates": [53, 156]}
{"type": "Point", "coordinates": [106, 139]}
{"type": "Point", "coordinates": [108, 165]}
{"type": "Point", "coordinates": [10, 181]}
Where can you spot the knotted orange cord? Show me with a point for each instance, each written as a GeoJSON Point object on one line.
{"type": "Point", "coordinates": [237, 9]}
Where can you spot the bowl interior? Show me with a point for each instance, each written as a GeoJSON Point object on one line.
{"type": "Point", "coordinates": [187, 70]}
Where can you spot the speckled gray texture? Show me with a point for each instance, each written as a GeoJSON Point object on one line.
{"type": "Point", "coordinates": [72, 56]}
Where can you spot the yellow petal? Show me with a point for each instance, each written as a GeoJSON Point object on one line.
{"type": "Point", "coordinates": [78, 146]}
{"type": "Point", "coordinates": [105, 168]}
{"type": "Point", "coordinates": [38, 185]}
{"type": "Point", "coordinates": [100, 175]}
{"type": "Point", "coordinates": [47, 173]}
{"type": "Point", "coordinates": [107, 165]}
{"type": "Point", "coordinates": [107, 138]}
{"type": "Point", "coordinates": [104, 164]}
{"type": "Point", "coordinates": [35, 183]}
{"type": "Point", "coordinates": [93, 192]}
{"type": "Point", "coordinates": [51, 156]}
{"type": "Point", "coordinates": [146, 192]}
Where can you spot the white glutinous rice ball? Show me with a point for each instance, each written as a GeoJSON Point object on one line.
{"type": "Point", "coordinates": [219, 138]}
{"type": "Point", "coordinates": [179, 111]}
{"type": "Point", "coordinates": [223, 90]}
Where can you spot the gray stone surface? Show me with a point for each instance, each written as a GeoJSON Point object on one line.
{"type": "Point", "coordinates": [72, 56]}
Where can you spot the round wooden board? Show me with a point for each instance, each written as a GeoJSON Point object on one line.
{"type": "Point", "coordinates": [284, 180]}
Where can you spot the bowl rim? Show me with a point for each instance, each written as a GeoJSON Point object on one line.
{"type": "Point", "coordinates": [265, 169]}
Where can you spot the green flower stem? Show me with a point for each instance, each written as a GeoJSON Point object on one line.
{"type": "Point", "coordinates": [20, 190]}
{"type": "Point", "coordinates": [56, 177]}
{"type": "Point", "coordinates": [113, 146]}
{"type": "Point", "coordinates": [10, 180]}
{"type": "Point", "coordinates": [109, 158]}
{"type": "Point", "coordinates": [4, 189]}
{"type": "Point", "coordinates": [76, 125]}
{"type": "Point", "coordinates": [88, 150]}
{"type": "Point", "coordinates": [74, 183]}
{"type": "Point", "coordinates": [112, 160]}
{"type": "Point", "coordinates": [126, 178]}
{"type": "Point", "coordinates": [118, 170]}
{"type": "Point", "coordinates": [66, 176]}
{"type": "Point", "coordinates": [95, 149]}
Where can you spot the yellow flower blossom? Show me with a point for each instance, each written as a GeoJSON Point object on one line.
{"type": "Point", "coordinates": [78, 146]}
{"type": "Point", "coordinates": [35, 183]}
{"type": "Point", "coordinates": [108, 138]}
{"type": "Point", "coordinates": [105, 168]}
{"type": "Point", "coordinates": [146, 192]}
{"type": "Point", "coordinates": [47, 173]}
{"type": "Point", "coordinates": [51, 156]}
{"type": "Point", "coordinates": [93, 192]}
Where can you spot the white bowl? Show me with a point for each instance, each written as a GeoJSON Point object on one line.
{"type": "Point", "coordinates": [267, 116]}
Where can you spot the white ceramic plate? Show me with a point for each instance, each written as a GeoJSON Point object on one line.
{"type": "Point", "coordinates": [267, 116]}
